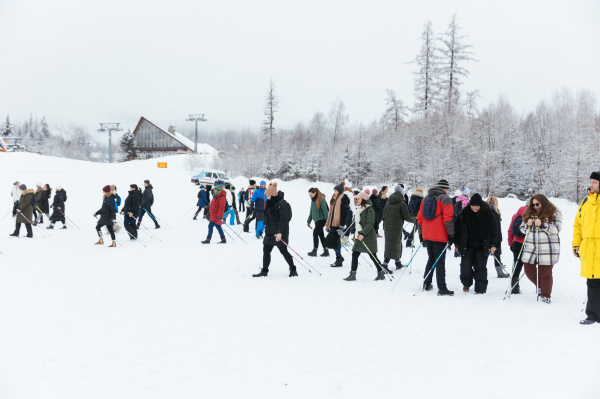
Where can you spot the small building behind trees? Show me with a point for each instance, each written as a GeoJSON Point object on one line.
{"type": "Point", "coordinates": [153, 141]}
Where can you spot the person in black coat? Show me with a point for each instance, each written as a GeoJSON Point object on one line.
{"type": "Point", "coordinates": [43, 204]}
{"type": "Point", "coordinates": [375, 201]}
{"type": "Point", "coordinates": [131, 209]}
{"type": "Point", "coordinates": [278, 214]}
{"type": "Point", "coordinates": [147, 202]}
{"type": "Point", "coordinates": [475, 237]}
{"type": "Point", "coordinates": [108, 214]}
{"type": "Point", "coordinates": [202, 201]}
{"type": "Point", "coordinates": [58, 215]}
{"type": "Point", "coordinates": [413, 209]}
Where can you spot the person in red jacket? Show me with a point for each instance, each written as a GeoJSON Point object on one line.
{"type": "Point", "coordinates": [438, 234]}
{"type": "Point", "coordinates": [217, 209]}
{"type": "Point", "coordinates": [515, 240]}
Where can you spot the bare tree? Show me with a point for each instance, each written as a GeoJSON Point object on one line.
{"type": "Point", "coordinates": [338, 119]}
{"type": "Point", "coordinates": [395, 111]}
{"type": "Point", "coordinates": [427, 72]}
{"type": "Point", "coordinates": [271, 106]}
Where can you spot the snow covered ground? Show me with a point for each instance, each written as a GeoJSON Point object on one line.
{"type": "Point", "coordinates": [178, 319]}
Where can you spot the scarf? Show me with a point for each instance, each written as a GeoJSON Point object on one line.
{"type": "Point", "coordinates": [333, 219]}
{"type": "Point", "coordinates": [359, 211]}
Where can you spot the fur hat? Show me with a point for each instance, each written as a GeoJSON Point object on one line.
{"type": "Point", "coordinates": [106, 189]}
{"type": "Point", "coordinates": [419, 192]}
{"type": "Point", "coordinates": [476, 200]}
{"type": "Point", "coordinates": [443, 183]}
{"type": "Point", "coordinates": [272, 190]}
{"type": "Point", "coordinates": [595, 176]}
{"type": "Point", "coordinates": [363, 195]}
{"type": "Point", "coordinates": [399, 189]}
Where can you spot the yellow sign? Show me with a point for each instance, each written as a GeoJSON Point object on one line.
{"type": "Point", "coordinates": [162, 164]}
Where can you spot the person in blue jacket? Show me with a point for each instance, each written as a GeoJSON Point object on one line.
{"type": "Point", "coordinates": [202, 201]}
{"type": "Point", "coordinates": [259, 203]}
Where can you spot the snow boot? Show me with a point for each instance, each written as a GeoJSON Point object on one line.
{"type": "Point", "coordinates": [427, 287]}
{"type": "Point", "coordinates": [263, 273]}
{"type": "Point", "coordinates": [223, 240]}
{"type": "Point", "coordinates": [15, 234]}
{"type": "Point", "coordinates": [465, 289]}
{"type": "Point", "coordinates": [207, 241]}
{"type": "Point", "coordinates": [64, 227]}
{"type": "Point", "coordinates": [339, 261]}
{"type": "Point", "coordinates": [351, 277]}
{"type": "Point", "coordinates": [516, 290]}
{"type": "Point", "coordinates": [156, 225]}
{"type": "Point", "coordinates": [545, 299]}
{"type": "Point", "coordinates": [325, 253]}
{"type": "Point", "coordinates": [385, 266]}
{"type": "Point", "coordinates": [380, 276]}
{"type": "Point", "coordinates": [587, 322]}
{"type": "Point", "coordinates": [445, 292]}
{"type": "Point", "coordinates": [501, 273]}
{"type": "Point", "coordinates": [293, 272]}
{"type": "Point", "coordinates": [313, 252]}
{"type": "Point", "coordinates": [113, 245]}
{"type": "Point", "coordinates": [100, 242]}
{"type": "Point", "coordinates": [399, 265]}
{"type": "Point", "coordinates": [50, 227]}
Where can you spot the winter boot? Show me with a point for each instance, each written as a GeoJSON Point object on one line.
{"type": "Point", "coordinates": [587, 322]}
{"type": "Point", "coordinates": [545, 299]}
{"type": "Point", "coordinates": [351, 277]}
{"type": "Point", "coordinates": [427, 287]}
{"type": "Point", "coordinates": [207, 241]}
{"type": "Point", "coordinates": [223, 240]}
{"type": "Point", "coordinates": [516, 290]}
{"type": "Point", "coordinates": [50, 227]}
{"type": "Point", "coordinates": [385, 266]}
{"type": "Point", "coordinates": [293, 272]}
{"type": "Point", "coordinates": [156, 225]}
{"type": "Point", "coordinates": [409, 243]}
{"type": "Point", "coordinates": [263, 273]}
{"type": "Point", "coordinates": [113, 245]}
{"type": "Point", "coordinates": [339, 261]}
{"type": "Point", "coordinates": [64, 227]}
{"type": "Point", "coordinates": [313, 252]}
{"type": "Point", "coordinates": [380, 276]}
{"type": "Point", "coordinates": [501, 273]}
{"type": "Point", "coordinates": [465, 289]}
{"type": "Point", "coordinates": [100, 241]}
{"type": "Point", "coordinates": [399, 265]}
{"type": "Point", "coordinates": [325, 253]}
{"type": "Point", "coordinates": [445, 292]}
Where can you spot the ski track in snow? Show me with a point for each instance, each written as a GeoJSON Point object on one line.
{"type": "Point", "coordinates": [179, 319]}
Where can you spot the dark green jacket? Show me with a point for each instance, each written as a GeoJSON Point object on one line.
{"type": "Point", "coordinates": [367, 222]}
{"type": "Point", "coordinates": [25, 207]}
{"type": "Point", "coordinates": [318, 214]}
{"type": "Point", "coordinates": [395, 214]}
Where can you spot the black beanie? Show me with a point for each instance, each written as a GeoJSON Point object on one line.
{"type": "Point", "coordinates": [339, 188]}
{"type": "Point", "coordinates": [147, 182]}
{"type": "Point", "coordinates": [595, 176]}
{"type": "Point", "coordinates": [476, 200]}
{"type": "Point", "coordinates": [252, 182]}
{"type": "Point", "coordinates": [443, 183]}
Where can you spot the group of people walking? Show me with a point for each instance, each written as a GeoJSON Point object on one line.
{"type": "Point", "coordinates": [30, 206]}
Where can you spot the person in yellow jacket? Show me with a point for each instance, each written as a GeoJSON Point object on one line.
{"type": "Point", "coordinates": [586, 246]}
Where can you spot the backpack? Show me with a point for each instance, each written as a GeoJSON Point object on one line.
{"type": "Point", "coordinates": [429, 207]}
{"type": "Point", "coordinates": [516, 227]}
{"type": "Point", "coordinates": [413, 206]}
{"type": "Point", "coordinates": [279, 208]}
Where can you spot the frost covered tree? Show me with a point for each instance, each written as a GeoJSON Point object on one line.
{"type": "Point", "coordinates": [395, 111]}
{"type": "Point", "coordinates": [338, 119]}
{"type": "Point", "coordinates": [427, 72]}
{"type": "Point", "coordinates": [271, 106]}
{"type": "Point", "coordinates": [7, 129]}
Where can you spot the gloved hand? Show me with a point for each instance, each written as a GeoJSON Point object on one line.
{"type": "Point", "coordinates": [341, 231]}
{"type": "Point", "coordinates": [450, 241]}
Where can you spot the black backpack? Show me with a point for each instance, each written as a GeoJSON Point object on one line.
{"type": "Point", "coordinates": [279, 207]}
{"type": "Point", "coordinates": [516, 227]}
{"type": "Point", "coordinates": [413, 207]}
{"type": "Point", "coordinates": [429, 207]}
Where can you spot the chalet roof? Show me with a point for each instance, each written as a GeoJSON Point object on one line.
{"type": "Point", "coordinates": [176, 136]}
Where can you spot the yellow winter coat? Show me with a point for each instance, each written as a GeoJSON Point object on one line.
{"type": "Point", "coordinates": [586, 236]}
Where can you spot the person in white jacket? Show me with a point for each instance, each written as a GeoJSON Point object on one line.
{"type": "Point", "coordinates": [16, 196]}
{"type": "Point", "coordinates": [230, 197]}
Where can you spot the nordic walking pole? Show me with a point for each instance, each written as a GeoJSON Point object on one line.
{"type": "Point", "coordinates": [409, 263]}
{"type": "Point", "coordinates": [185, 214]}
{"type": "Point", "coordinates": [130, 235]}
{"type": "Point", "coordinates": [47, 217]}
{"type": "Point", "coordinates": [233, 231]}
{"type": "Point", "coordinates": [114, 232]}
{"type": "Point", "coordinates": [297, 254]}
{"type": "Point", "coordinates": [155, 218]}
{"type": "Point", "coordinates": [69, 219]}
{"type": "Point", "coordinates": [147, 231]}
{"type": "Point", "coordinates": [537, 260]}
{"type": "Point", "coordinates": [375, 259]}
{"type": "Point", "coordinates": [508, 292]}
{"type": "Point", "coordinates": [432, 267]}
{"type": "Point", "coordinates": [500, 263]}
{"type": "Point", "coordinates": [29, 221]}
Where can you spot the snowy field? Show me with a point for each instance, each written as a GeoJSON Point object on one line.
{"type": "Point", "coordinates": [178, 319]}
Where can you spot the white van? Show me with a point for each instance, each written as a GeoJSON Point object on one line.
{"type": "Point", "coordinates": [208, 177]}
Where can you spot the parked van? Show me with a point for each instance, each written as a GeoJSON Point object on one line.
{"type": "Point", "coordinates": [207, 177]}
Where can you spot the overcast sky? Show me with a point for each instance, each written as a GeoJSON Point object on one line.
{"type": "Point", "coordinates": [84, 62]}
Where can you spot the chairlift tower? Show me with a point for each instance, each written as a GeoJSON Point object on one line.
{"type": "Point", "coordinates": [196, 118]}
{"type": "Point", "coordinates": [109, 127]}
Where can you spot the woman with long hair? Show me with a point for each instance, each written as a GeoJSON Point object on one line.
{"type": "Point", "coordinates": [493, 204]}
{"type": "Point", "coordinates": [542, 222]}
{"type": "Point", "coordinates": [366, 238]}
{"type": "Point", "coordinates": [319, 213]}
{"type": "Point", "coordinates": [339, 206]}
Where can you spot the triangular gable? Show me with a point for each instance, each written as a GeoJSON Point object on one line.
{"type": "Point", "coordinates": [179, 140]}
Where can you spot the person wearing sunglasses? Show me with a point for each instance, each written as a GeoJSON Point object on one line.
{"type": "Point", "coordinates": [586, 246]}
{"type": "Point", "coordinates": [542, 222]}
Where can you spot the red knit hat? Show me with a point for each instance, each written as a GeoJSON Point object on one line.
{"type": "Point", "coordinates": [106, 189]}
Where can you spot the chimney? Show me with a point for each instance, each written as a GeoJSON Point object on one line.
{"type": "Point", "coordinates": [171, 129]}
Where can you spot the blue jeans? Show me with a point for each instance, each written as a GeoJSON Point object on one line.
{"type": "Point", "coordinates": [212, 225]}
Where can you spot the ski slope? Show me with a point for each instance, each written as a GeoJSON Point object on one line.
{"type": "Point", "coordinates": [178, 319]}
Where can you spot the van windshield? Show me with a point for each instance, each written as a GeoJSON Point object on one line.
{"type": "Point", "coordinates": [223, 176]}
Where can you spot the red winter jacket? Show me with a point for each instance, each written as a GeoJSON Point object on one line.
{"type": "Point", "coordinates": [440, 228]}
{"type": "Point", "coordinates": [217, 208]}
{"type": "Point", "coordinates": [511, 238]}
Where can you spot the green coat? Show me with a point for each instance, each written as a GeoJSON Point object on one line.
{"type": "Point", "coordinates": [25, 207]}
{"type": "Point", "coordinates": [367, 221]}
{"type": "Point", "coordinates": [317, 214]}
{"type": "Point", "coordinates": [395, 214]}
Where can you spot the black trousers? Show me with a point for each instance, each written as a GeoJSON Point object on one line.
{"type": "Point", "coordinates": [356, 255]}
{"type": "Point", "coordinates": [318, 233]}
{"type": "Point", "coordinates": [27, 227]}
{"type": "Point", "coordinates": [249, 218]}
{"type": "Point", "coordinates": [147, 210]}
{"type": "Point", "coordinates": [516, 250]}
{"type": "Point", "coordinates": [267, 249]}
{"type": "Point", "coordinates": [133, 232]}
{"type": "Point", "coordinates": [242, 206]}
{"type": "Point", "coordinates": [592, 309]}
{"type": "Point", "coordinates": [473, 265]}
{"type": "Point", "coordinates": [434, 249]}
{"type": "Point", "coordinates": [109, 227]}
{"type": "Point", "coordinates": [15, 207]}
